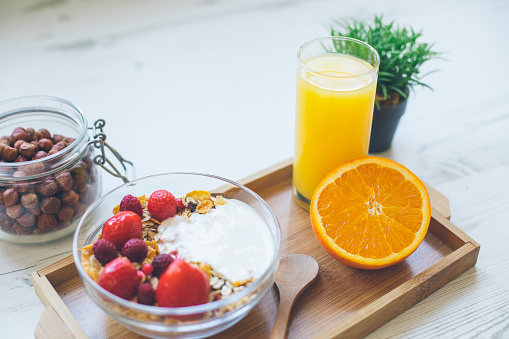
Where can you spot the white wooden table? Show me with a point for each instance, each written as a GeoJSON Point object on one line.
{"type": "Point", "coordinates": [167, 75]}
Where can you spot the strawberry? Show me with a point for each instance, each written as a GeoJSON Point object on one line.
{"type": "Point", "coordinates": [162, 205]}
{"type": "Point", "coordinates": [180, 205]}
{"type": "Point", "coordinates": [131, 203]}
{"type": "Point", "coordinates": [182, 284]}
{"type": "Point", "coordinates": [122, 227]}
{"type": "Point", "coordinates": [120, 277]}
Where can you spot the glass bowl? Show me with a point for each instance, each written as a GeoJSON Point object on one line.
{"type": "Point", "coordinates": [184, 322]}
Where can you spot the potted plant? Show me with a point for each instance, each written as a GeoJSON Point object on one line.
{"type": "Point", "coordinates": [401, 57]}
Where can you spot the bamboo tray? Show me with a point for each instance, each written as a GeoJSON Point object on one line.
{"type": "Point", "coordinates": [342, 302]}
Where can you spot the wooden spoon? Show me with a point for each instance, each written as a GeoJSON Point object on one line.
{"type": "Point", "coordinates": [296, 272]}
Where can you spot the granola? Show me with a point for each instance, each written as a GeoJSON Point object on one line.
{"type": "Point", "coordinates": [195, 202]}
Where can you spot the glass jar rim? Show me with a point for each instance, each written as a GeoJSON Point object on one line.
{"type": "Point", "coordinates": [343, 38]}
{"type": "Point", "coordinates": [26, 104]}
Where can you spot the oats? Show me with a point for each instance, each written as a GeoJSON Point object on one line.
{"type": "Point", "coordinates": [154, 281]}
{"type": "Point", "coordinates": [226, 291]}
{"type": "Point", "coordinates": [218, 284]}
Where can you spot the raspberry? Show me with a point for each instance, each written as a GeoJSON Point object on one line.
{"type": "Point", "coordinates": [160, 263]}
{"type": "Point", "coordinates": [135, 249]}
{"type": "Point", "coordinates": [120, 277]}
{"type": "Point", "coordinates": [122, 227]}
{"type": "Point", "coordinates": [104, 251]}
{"type": "Point", "coordinates": [180, 205]}
{"type": "Point", "coordinates": [147, 269]}
{"type": "Point", "coordinates": [131, 203]}
{"type": "Point", "coordinates": [162, 205]}
{"type": "Point", "coordinates": [146, 294]}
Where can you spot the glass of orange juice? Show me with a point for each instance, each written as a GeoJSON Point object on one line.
{"type": "Point", "coordinates": [336, 85]}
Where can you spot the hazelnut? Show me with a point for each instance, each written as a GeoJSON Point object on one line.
{"type": "Point", "coordinates": [40, 155]}
{"type": "Point", "coordinates": [65, 213]}
{"type": "Point", "coordinates": [18, 144]}
{"type": "Point", "coordinates": [57, 147]}
{"type": "Point", "coordinates": [20, 133]}
{"type": "Point", "coordinates": [9, 153]}
{"type": "Point", "coordinates": [5, 220]}
{"type": "Point", "coordinates": [47, 188]}
{"type": "Point", "coordinates": [46, 222]}
{"type": "Point", "coordinates": [57, 138]}
{"type": "Point", "coordinates": [35, 211]}
{"type": "Point", "coordinates": [4, 141]}
{"type": "Point", "coordinates": [45, 144]}
{"type": "Point", "coordinates": [30, 200]}
{"type": "Point", "coordinates": [79, 184]}
{"type": "Point", "coordinates": [10, 197]}
{"type": "Point", "coordinates": [69, 140]}
{"type": "Point", "coordinates": [89, 163]}
{"type": "Point", "coordinates": [26, 220]}
{"type": "Point", "coordinates": [31, 133]}
{"type": "Point", "coordinates": [20, 158]}
{"type": "Point", "coordinates": [20, 230]}
{"type": "Point", "coordinates": [23, 188]}
{"type": "Point", "coordinates": [42, 134]}
{"type": "Point", "coordinates": [14, 211]}
{"type": "Point", "coordinates": [50, 205]}
{"type": "Point", "coordinates": [27, 150]}
{"type": "Point", "coordinates": [88, 196]}
{"type": "Point", "coordinates": [64, 180]}
{"type": "Point", "coordinates": [79, 209]}
{"type": "Point", "coordinates": [70, 197]}
{"type": "Point", "coordinates": [33, 168]}
{"type": "Point", "coordinates": [2, 208]}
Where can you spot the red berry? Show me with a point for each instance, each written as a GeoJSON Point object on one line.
{"type": "Point", "coordinates": [182, 285]}
{"type": "Point", "coordinates": [180, 205]}
{"type": "Point", "coordinates": [122, 227]}
{"type": "Point", "coordinates": [135, 249]}
{"type": "Point", "coordinates": [120, 277]}
{"type": "Point", "coordinates": [131, 203]}
{"type": "Point", "coordinates": [147, 269]}
{"type": "Point", "coordinates": [146, 294]}
{"type": "Point", "coordinates": [141, 275]}
{"type": "Point", "coordinates": [104, 251]}
{"type": "Point", "coordinates": [162, 205]}
{"type": "Point", "coordinates": [160, 263]}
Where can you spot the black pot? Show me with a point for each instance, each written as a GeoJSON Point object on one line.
{"type": "Point", "coordinates": [385, 122]}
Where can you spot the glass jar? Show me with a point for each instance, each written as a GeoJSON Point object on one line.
{"type": "Point", "coordinates": [54, 176]}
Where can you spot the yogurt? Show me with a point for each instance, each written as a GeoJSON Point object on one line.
{"type": "Point", "coordinates": [232, 238]}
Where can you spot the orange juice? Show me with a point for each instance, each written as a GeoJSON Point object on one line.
{"type": "Point", "coordinates": [335, 98]}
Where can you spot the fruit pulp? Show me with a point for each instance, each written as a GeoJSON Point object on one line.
{"type": "Point", "coordinates": [335, 99]}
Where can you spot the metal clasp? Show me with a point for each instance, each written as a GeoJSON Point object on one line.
{"type": "Point", "coordinates": [99, 142]}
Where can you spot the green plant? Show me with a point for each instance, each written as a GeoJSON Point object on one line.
{"type": "Point", "coordinates": [401, 56]}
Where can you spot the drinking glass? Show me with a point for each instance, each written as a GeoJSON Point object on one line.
{"type": "Point", "coordinates": [336, 85]}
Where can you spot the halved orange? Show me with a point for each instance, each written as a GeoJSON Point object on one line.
{"type": "Point", "coordinates": [370, 213]}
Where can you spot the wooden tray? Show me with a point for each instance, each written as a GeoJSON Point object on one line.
{"type": "Point", "coordinates": [342, 302]}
